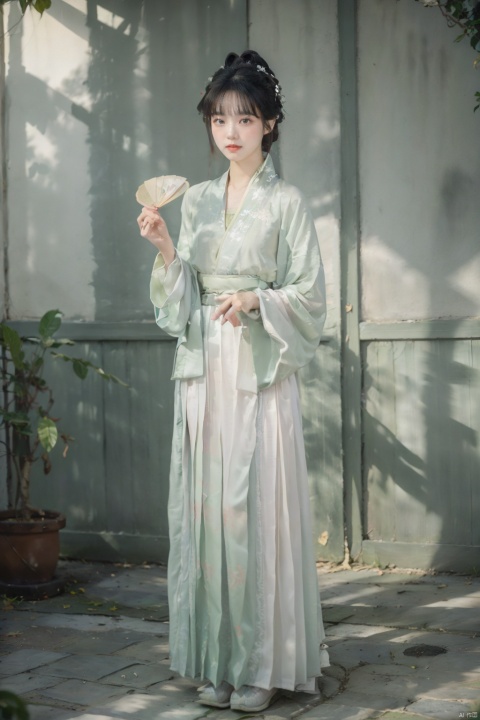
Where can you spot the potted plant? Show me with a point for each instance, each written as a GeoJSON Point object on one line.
{"type": "Point", "coordinates": [29, 537]}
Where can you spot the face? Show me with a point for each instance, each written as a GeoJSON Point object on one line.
{"type": "Point", "coordinates": [238, 136]}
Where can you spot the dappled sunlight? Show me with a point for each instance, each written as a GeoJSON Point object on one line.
{"type": "Point", "coordinates": [375, 616]}
{"type": "Point", "coordinates": [392, 288]}
{"type": "Point", "coordinates": [325, 200]}
{"type": "Point", "coordinates": [49, 176]}
{"type": "Point", "coordinates": [326, 126]}
{"type": "Point", "coordinates": [44, 156]}
{"type": "Point", "coordinates": [464, 279]}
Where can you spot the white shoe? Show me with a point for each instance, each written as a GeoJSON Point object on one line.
{"type": "Point", "coordinates": [218, 697]}
{"type": "Point", "coordinates": [252, 699]}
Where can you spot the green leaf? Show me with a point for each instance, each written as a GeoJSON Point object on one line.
{"type": "Point", "coordinates": [109, 376]}
{"type": "Point", "coordinates": [12, 707]}
{"type": "Point", "coordinates": [42, 5]}
{"type": "Point", "coordinates": [37, 364]}
{"type": "Point", "coordinates": [49, 324]}
{"type": "Point", "coordinates": [62, 341]}
{"type": "Point", "coordinates": [19, 420]}
{"type": "Point", "coordinates": [80, 368]}
{"type": "Point", "coordinates": [47, 433]}
{"type": "Point", "coordinates": [13, 342]}
{"type": "Point", "coordinates": [23, 5]}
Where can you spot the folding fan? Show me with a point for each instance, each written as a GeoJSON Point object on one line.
{"type": "Point", "coordinates": [159, 191]}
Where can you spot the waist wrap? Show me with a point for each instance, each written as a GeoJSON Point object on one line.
{"type": "Point", "coordinates": [213, 285]}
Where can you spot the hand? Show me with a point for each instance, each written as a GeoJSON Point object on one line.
{"type": "Point", "coordinates": [232, 304]}
{"type": "Point", "coordinates": [153, 227]}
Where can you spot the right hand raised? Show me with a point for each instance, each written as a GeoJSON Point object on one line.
{"type": "Point", "coordinates": [153, 227]}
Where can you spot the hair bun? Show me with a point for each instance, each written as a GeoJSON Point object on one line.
{"type": "Point", "coordinates": [230, 59]}
{"type": "Point", "coordinates": [250, 56]}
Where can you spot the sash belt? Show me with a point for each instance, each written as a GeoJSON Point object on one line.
{"type": "Point", "coordinates": [213, 285]}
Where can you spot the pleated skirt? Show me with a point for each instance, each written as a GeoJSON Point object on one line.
{"type": "Point", "coordinates": [242, 582]}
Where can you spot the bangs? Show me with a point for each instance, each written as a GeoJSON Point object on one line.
{"type": "Point", "coordinates": [229, 101]}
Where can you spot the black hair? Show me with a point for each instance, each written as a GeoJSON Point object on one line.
{"type": "Point", "coordinates": [257, 90]}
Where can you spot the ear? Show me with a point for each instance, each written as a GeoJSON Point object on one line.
{"type": "Point", "coordinates": [270, 126]}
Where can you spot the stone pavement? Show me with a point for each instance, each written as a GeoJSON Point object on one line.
{"type": "Point", "coordinates": [100, 651]}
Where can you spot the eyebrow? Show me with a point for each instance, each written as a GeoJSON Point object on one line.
{"type": "Point", "coordinates": [218, 112]}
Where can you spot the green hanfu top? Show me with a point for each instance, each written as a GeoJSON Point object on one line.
{"type": "Point", "coordinates": [270, 246]}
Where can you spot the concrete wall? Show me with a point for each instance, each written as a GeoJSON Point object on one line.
{"type": "Point", "coordinates": [300, 40]}
{"type": "Point", "coordinates": [101, 97]}
{"type": "Point", "coordinates": [419, 170]}
{"type": "Point", "coordinates": [419, 165]}
{"type": "Point", "coordinates": [95, 97]}
{"type": "Point", "coordinates": [99, 100]}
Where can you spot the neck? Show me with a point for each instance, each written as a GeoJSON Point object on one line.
{"type": "Point", "coordinates": [240, 173]}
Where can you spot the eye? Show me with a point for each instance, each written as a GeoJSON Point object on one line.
{"type": "Point", "coordinates": [217, 121]}
{"type": "Point", "coordinates": [246, 120]}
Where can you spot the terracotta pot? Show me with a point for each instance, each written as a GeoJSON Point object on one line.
{"type": "Point", "coordinates": [29, 549]}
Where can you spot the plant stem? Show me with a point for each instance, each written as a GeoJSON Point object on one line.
{"type": "Point", "coordinates": [8, 430]}
{"type": "Point", "coordinates": [24, 487]}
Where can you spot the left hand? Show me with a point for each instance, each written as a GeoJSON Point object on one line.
{"type": "Point", "coordinates": [232, 304]}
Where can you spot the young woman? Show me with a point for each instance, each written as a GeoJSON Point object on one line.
{"type": "Point", "coordinates": [244, 293]}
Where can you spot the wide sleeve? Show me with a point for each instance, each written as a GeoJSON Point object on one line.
{"type": "Point", "coordinates": [172, 290]}
{"type": "Point", "coordinates": [175, 296]}
{"type": "Point", "coordinates": [292, 313]}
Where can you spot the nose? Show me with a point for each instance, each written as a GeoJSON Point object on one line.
{"type": "Point", "coordinates": [232, 131]}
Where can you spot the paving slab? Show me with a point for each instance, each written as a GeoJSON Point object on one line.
{"type": "Point", "coordinates": [102, 643]}
{"type": "Point", "coordinates": [179, 687]}
{"type": "Point", "coordinates": [370, 616]}
{"type": "Point", "coordinates": [345, 629]}
{"type": "Point", "coordinates": [330, 685]}
{"type": "Point", "coordinates": [46, 712]}
{"type": "Point", "coordinates": [441, 687]}
{"type": "Point", "coordinates": [139, 676]}
{"type": "Point", "coordinates": [459, 662]}
{"type": "Point", "coordinates": [143, 706]}
{"type": "Point", "coordinates": [24, 660]}
{"type": "Point", "coordinates": [400, 715]}
{"type": "Point", "coordinates": [431, 637]}
{"type": "Point", "coordinates": [88, 623]}
{"type": "Point", "coordinates": [89, 716]}
{"type": "Point", "coordinates": [376, 698]}
{"type": "Point", "coordinates": [178, 696]}
{"type": "Point", "coordinates": [440, 709]}
{"type": "Point", "coordinates": [80, 692]}
{"type": "Point", "coordinates": [153, 649]}
{"type": "Point", "coordinates": [21, 632]}
{"type": "Point", "coordinates": [350, 653]}
{"type": "Point", "coordinates": [84, 667]}
{"type": "Point", "coordinates": [333, 711]}
{"type": "Point", "coordinates": [26, 682]}
{"type": "Point", "coordinates": [334, 614]}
